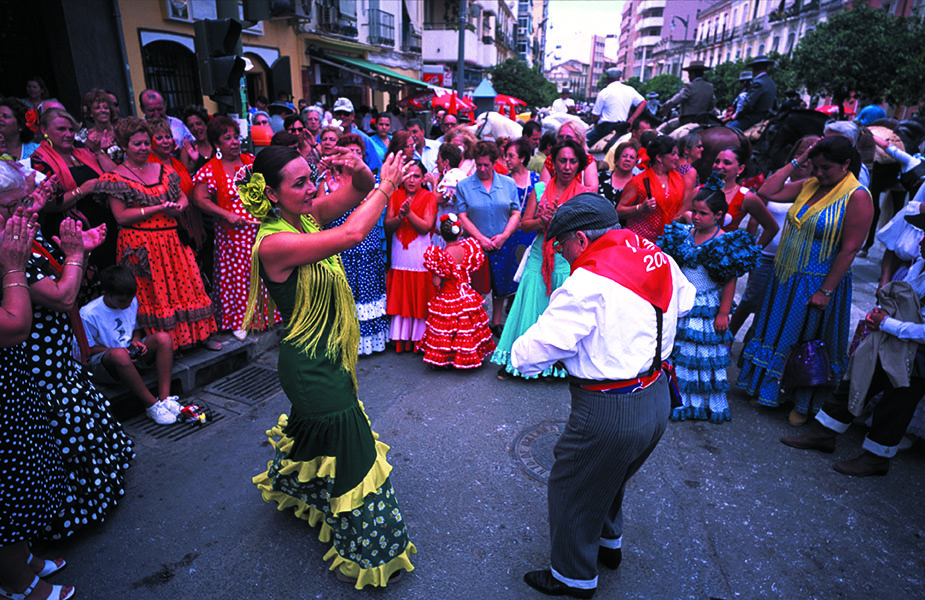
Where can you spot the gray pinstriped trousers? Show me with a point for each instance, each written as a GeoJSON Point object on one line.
{"type": "Point", "coordinates": [607, 439]}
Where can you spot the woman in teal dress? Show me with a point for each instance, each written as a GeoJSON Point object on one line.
{"type": "Point", "coordinates": [545, 270]}
{"type": "Point", "coordinates": [823, 230]}
{"type": "Point", "coordinates": [328, 465]}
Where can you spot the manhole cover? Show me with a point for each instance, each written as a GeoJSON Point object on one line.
{"type": "Point", "coordinates": [533, 448]}
{"type": "Point", "coordinates": [141, 424]}
{"type": "Point", "coordinates": [251, 385]}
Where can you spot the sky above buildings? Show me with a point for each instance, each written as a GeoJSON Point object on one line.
{"type": "Point", "coordinates": [573, 22]}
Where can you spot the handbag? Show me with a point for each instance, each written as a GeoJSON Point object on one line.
{"type": "Point", "coordinates": [808, 364]}
{"type": "Point", "coordinates": [674, 388]}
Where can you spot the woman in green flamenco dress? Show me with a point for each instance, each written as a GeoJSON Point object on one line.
{"type": "Point", "coordinates": [328, 465]}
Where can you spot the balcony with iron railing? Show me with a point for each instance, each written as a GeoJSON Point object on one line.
{"type": "Point", "coordinates": [332, 20]}
{"type": "Point", "coordinates": [381, 27]}
{"type": "Point", "coordinates": [411, 41]}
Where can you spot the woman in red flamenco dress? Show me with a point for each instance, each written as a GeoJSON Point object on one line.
{"type": "Point", "coordinates": [457, 333]}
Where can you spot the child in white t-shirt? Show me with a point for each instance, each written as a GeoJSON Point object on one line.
{"type": "Point", "coordinates": [116, 345]}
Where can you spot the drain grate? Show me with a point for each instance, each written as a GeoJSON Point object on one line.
{"type": "Point", "coordinates": [251, 385]}
{"type": "Point", "coordinates": [178, 431]}
{"type": "Point", "coordinates": [533, 448]}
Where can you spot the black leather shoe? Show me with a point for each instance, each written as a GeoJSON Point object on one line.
{"type": "Point", "coordinates": [818, 437]}
{"type": "Point", "coordinates": [610, 557]}
{"type": "Point", "coordinates": [865, 465]}
{"type": "Point", "coordinates": [543, 581]}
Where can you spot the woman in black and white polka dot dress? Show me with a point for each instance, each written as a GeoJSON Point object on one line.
{"type": "Point", "coordinates": [95, 449]}
{"type": "Point", "coordinates": [31, 472]}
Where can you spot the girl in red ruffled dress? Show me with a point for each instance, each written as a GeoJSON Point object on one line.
{"type": "Point", "coordinates": [457, 333]}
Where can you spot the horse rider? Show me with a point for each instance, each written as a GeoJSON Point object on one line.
{"type": "Point", "coordinates": [695, 97]}
{"type": "Point", "coordinates": [761, 98]}
{"type": "Point", "coordinates": [612, 108]}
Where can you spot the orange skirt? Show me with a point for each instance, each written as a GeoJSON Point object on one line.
{"type": "Point", "coordinates": [171, 296]}
{"type": "Point", "coordinates": [408, 292]}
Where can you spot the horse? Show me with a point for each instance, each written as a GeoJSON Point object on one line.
{"type": "Point", "coordinates": [714, 139]}
{"type": "Point", "coordinates": [553, 121]}
{"type": "Point", "coordinates": [781, 132]}
{"type": "Point", "coordinates": [493, 125]}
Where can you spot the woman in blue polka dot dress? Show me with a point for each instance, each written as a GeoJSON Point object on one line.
{"type": "Point", "coordinates": [95, 449]}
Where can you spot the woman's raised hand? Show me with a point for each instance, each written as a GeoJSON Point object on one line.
{"type": "Point", "coordinates": [15, 247]}
{"type": "Point", "coordinates": [191, 151]}
{"type": "Point", "coordinates": [393, 169]}
{"type": "Point", "coordinates": [92, 238]}
{"type": "Point", "coordinates": [70, 239]}
{"type": "Point", "coordinates": [94, 138]}
{"type": "Point", "coordinates": [107, 140]}
{"type": "Point", "coordinates": [349, 162]}
{"type": "Point", "coordinates": [42, 193]}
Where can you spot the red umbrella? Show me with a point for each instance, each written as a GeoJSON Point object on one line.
{"type": "Point", "coordinates": [439, 98]}
{"type": "Point", "coordinates": [453, 103]}
{"type": "Point", "coordinates": [511, 102]}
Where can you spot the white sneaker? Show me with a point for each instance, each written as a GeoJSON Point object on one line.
{"type": "Point", "coordinates": [172, 405]}
{"type": "Point", "coordinates": [160, 414]}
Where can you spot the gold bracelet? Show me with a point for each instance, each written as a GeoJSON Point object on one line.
{"type": "Point", "coordinates": [142, 211]}
{"type": "Point", "coordinates": [74, 263]}
{"type": "Point", "coordinates": [11, 271]}
{"type": "Point", "coordinates": [383, 193]}
{"type": "Point", "coordinates": [12, 285]}
{"type": "Point", "coordinates": [77, 192]}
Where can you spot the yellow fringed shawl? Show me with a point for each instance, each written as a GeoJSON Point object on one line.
{"type": "Point", "coordinates": [796, 242]}
{"type": "Point", "coordinates": [313, 300]}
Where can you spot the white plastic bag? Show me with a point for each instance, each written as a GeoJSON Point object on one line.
{"type": "Point", "coordinates": [523, 263]}
{"type": "Point", "coordinates": [900, 237]}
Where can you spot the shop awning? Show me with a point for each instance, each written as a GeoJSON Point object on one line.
{"type": "Point", "coordinates": [362, 63]}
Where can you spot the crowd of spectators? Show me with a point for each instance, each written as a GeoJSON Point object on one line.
{"type": "Point", "coordinates": [141, 247]}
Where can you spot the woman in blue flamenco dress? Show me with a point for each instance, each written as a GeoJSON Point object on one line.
{"type": "Point", "coordinates": [823, 230]}
{"type": "Point", "coordinates": [328, 464]}
{"type": "Point", "coordinates": [712, 261]}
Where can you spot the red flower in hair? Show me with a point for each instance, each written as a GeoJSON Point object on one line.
{"type": "Point", "coordinates": [32, 120]}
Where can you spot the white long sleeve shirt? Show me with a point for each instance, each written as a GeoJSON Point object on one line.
{"type": "Point", "coordinates": [600, 329]}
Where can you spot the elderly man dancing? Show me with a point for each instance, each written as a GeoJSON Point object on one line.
{"type": "Point", "coordinates": [612, 323]}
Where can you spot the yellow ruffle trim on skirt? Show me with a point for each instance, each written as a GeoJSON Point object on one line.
{"type": "Point", "coordinates": [325, 466]}
{"type": "Point", "coordinates": [322, 466]}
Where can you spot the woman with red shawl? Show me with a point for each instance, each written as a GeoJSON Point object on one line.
{"type": "Point", "coordinates": [656, 196]}
{"type": "Point", "coordinates": [77, 171]}
{"type": "Point", "coordinates": [410, 220]}
{"type": "Point", "coordinates": [545, 269]}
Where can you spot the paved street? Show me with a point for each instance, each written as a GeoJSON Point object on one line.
{"type": "Point", "coordinates": [718, 512]}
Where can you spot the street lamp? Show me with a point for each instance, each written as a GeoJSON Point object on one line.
{"type": "Point", "coordinates": [683, 45]}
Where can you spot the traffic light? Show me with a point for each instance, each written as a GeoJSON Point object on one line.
{"type": "Point", "coordinates": [218, 45]}
{"type": "Point", "coordinates": [264, 10]}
